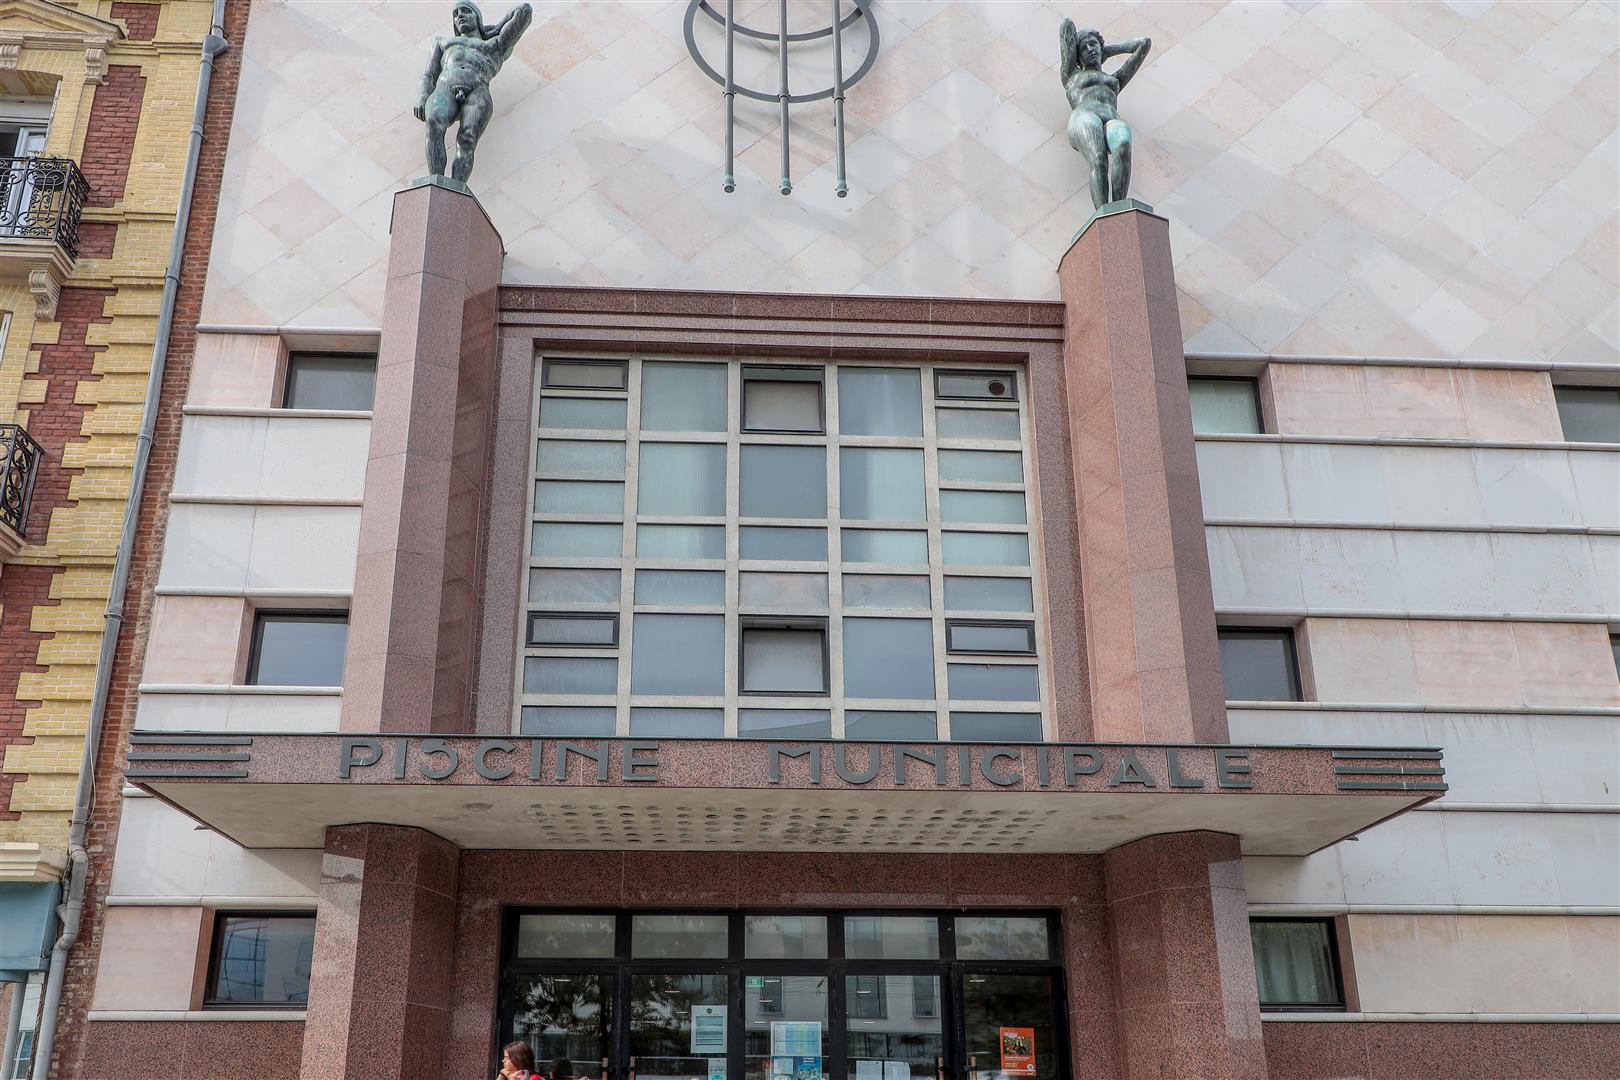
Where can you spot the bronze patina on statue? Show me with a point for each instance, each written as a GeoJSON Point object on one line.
{"type": "Point", "coordinates": [1095, 128]}
{"type": "Point", "coordinates": [455, 87]}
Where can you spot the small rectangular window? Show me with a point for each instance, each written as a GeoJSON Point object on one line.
{"type": "Point", "coordinates": [781, 656]}
{"type": "Point", "coordinates": [330, 381]}
{"type": "Point", "coordinates": [882, 725]}
{"type": "Point", "coordinates": [889, 658]}
{"type": "Point", "coordinates": [570, 675]}
{"type": "Point", "coordinates": [784, 723]}
{"type": "Point", "coordinates": [984, 548]}
{"type": "Point", "coordinates": [994, 682]}
{"type": "Point", "coordinates": [783, 481]}
{"type": "Point", "coordinates": [583, 414]}
{"type": "Point", "coordinates": [1000, 424]}
{"type": "Point", "coordinates": [677, 724]}
{"type": "Point", "coordinates": [260, 960]}
{"type": "Point", "coordinates": [782, 399]}
{"type": "Point", "coordinates": [976, 385]}
{"type": "Point", "coordinates": [988, 594]}
{"type": "Point", "coordinates": [981, 466]}
{"type": "Point", "coordinates": [581, 459]}
{"type": "Point", "coordinates": [569, 586]}
{"type": "Point", "coordinates": [886, 591]}
{"type": "Point", "coordinates": [785, 937]}
{"type": "Point", "coordinates": [885, 546]}
{"type": "Point", "coordinates": [789, 591]}
{"type": "Point", "coordinates": [565, 936]}
{"type": "Point", "coordinates": [1001, 937]}
{"type": "Point", "coordinates": [988, 636]}
{"type": "Point", "coordinates": [659, 587]}
{"type": "Point", "coordinates": [574, 630]}
{"type": "Point", "coordinates": [678, 654]}
{"type": "Point", "coordinates": [294, 648]}
{"type": "Point", "coordinates": [881, 484]}
{"type": "Point", "coordinates": [1225, 405]}
{"type": "Point", "coordinates": [569, 722]}
{"type": "Point", "coordinates": [577, 540]}
{"type": "Point", "coordinates": [1296, 964]}
{"type": "Point", "coordinates": [678, 937]}
{"type": "Point", "coordinates": [984, 727]}
{"type": "Point", "coordinates": [585, 374]}
{"type": "Point", "coordinates": [683, 397]}
{"type": "Point", "coordinates": [1589, 414]}
{"type": "Point", "coordinates": [1259, 664]}
{"type": "Point", "coordinates": [779, 543]}
{"type": "Point", "coordinates": [578, 497]}
{"type": "Point", "coordinates": [681, 541]}
{"type": "Point", "coordinates": [879, 401]}
{"type": "Point", "coordinates": [982, 507]}
{"type": "Point", "coordinates": [685, 479]}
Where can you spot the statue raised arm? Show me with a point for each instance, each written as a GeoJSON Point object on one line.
{"type": "Point", "coordinates": [455, 86]}
{"type": "Point", "coordinates": [1095, 128]}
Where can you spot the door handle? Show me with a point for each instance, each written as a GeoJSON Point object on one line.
{"type": "Point", "coordinates": [632, 1067]}
{"type": "Point", "coordinates": [939, 1068]}
{"type": "Point", "coordinates": [973, 1067]}
{"type": "Point", "coordinates": [605, 1069]}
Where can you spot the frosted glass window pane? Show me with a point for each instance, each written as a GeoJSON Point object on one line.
{"type": "Point", "coordinates": [678, 723]}
{"type": "Point", "coordinates": [778, 405]}
{"type": "Point", "coordinates": [681, 541]}
{"type": "Point", "coordinates": [985, 637]}
{"type": "Point", "coordinates": [885, 591]}
{"type": "Point", "coordinates": [977, 423]}
{"type": "Point", "coordinates": [604, 414]}
{"type": "Point", "coordinates": [985, 549]}
{"type": "Point", "coordinates": [586, 460]}
{"type": "Point", "coordinates": [578, 497]}
{"type": "Point", "coordinates": [879, 401]}
{"type": "Point", "coordinates": [656, 937]}
{"type": "Point", "coordinates": [573, 586]}
{"type": "Point", "coordinates": [783, 660]}
{"type": "Point", "coordinates": [683, 397]}
{"type": "Point", "coordinates": [995, 727]}
{"type": "Point", "coordinates": [578, 630]}
{"type": "Point", "coordinates": [682, 478]}
{"type": "Point", "coordinates": [982, 466]}
{"type": "Point", "coordinates": [570, 675]}
{"type": "Point", "coordinates": [784, 481]}
{"type": "Point", "coordinates": [678, 654]}
{"type": "Point", "coordinates": [885, 546]}
{"type": "Point", "coordinates": [784, 543]}
{"type": "Point", "coordinates": [785, 937]}
{"type": "Point", "coordinates": [986, 507]}
{"type": "Point", "coordinates": [588, 723]}
{"type": "Point", "coordinates": [881, 485]}
{"type": "Point", "coordinates": [878, 726]}
{"type": "Point", "coordinates": [587, 936]}
{"type": "Point", "coordinates": [784, 723]}
{"type": "Point", "coordinates": [593, 374]}
{"type": "Point", "coordinates": [680, 587]}
{"type": "Point", "coordinates": [783, 590]}
{"type": "Point", "coordinates": [994, 682]}
{"type": "Point", "coordinates": [988, 594]}
{"type": "Point", "coordinates": [552, 538]}
{"type": "Point", "coordinates": [888, 658]}
{"type": "Point", "coordinates": [1224, 405]}
{"type": "Point", "coordinates": [1000, 937]}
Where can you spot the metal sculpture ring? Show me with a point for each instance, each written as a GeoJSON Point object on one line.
{"type": "Point", "coordinates": [863, 10]}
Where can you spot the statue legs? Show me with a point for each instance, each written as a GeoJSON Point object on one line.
{"type": "Point", "coordinates": [439, 113]}
{"type": "Point", "coordinates": [1119, 160]}
{"type": "Point", "coordinates": [475, 115]}
{"type": "Point", "coordinates": [1087, 135]}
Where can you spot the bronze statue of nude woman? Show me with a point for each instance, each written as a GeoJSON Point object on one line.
{"type": "Point", "coordinates": [456, 83]}
{"type": "Point", "coordinates": [1095, 128]}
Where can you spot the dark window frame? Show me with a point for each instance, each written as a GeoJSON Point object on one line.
{"type": "Point", "coordinates": [818, 623]}
{"type": "Point", "coordinates": [1254, 387]}
{"type": "Point", "coordinates": [216, 952]}
{"type": "Point", "coordinates": [820, 382]}
{"type": "Point", "coordinates": [288, 381]}
{"type": "Point", "coordinates": [256, 639]}
{"type": "Point", "coordinates": [1028, 625]}
{"type": "Point", "coordinates": [547, 362]}
{"type": "Point", "coordinates": [1290, 639]}
{"type": "Point", "coordinates": [1335, 965]}
{"type": "Point", "coordinates": [596, 616]}
{"type": "Point", "coordinates": [1010, 377]}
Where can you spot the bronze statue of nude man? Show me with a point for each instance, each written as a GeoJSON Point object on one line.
{"type": "Point", "coordinates": [1095, 128]}
{"type": "Point", "coordinates": [455, 86]}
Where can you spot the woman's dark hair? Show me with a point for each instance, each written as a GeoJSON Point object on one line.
{"type": "Point", "coordinates": [562, 1069]}
{"type": "Point", "coordinates": [520, 1053]}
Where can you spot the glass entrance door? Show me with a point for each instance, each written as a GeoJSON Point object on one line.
{"type": "Point", "coordinates": [678, 1026]}
{"type": "Point", "coordinates": [1009, 1029]}
{"type": "Point", "coordinates": [568, 1021]}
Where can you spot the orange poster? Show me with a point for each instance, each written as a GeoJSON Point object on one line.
{"type": "Point", "coordinates": [1017, 1051]}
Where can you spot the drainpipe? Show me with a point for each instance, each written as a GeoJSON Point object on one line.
{"type": "Point", "coordinates": [14, 1015]}
{"type": "Point", "coordinates": [71, 911]}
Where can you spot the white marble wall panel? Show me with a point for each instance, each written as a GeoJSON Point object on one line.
{"type": "Point", "coordinates": [162, 853]}
{"type": "Point", "coordinates": [1376, 485]}
{"type": "Point", "coordinates": [272, 457]}
{"type": "Point", "coordinates": [1489, 757]}
{"type": "Point", "coordinates": [1456, 858]}
{"type": "Point", "coordinates": [1489, 574]}
{"type": "Point", "coordinates": [243, 709]}
{"type": "Point", "coordinates": [1346, 178]}
{"type": "Point", "coordinates": [234, 548]}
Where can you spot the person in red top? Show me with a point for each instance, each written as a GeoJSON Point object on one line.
{"type": "Point", "coordinates": [517, 1063]}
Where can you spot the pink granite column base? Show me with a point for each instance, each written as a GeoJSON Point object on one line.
{"type": "Point", "coordinates": [1187, 1005]}
{"type": "Point", "coordinates": [379, 988]}
{"type": "Point", "coordinates": [1149, 610]}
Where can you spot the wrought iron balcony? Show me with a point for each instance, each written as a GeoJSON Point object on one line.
{"type": "Point", "coordinates": [20, 457]}
{"type": "Point", "coordinates": [42, 198]}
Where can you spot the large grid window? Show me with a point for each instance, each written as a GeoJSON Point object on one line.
{"type": "Point", "coordinates": [771, 550]}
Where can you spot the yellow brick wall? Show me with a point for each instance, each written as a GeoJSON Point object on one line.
{"type": "Point", "coordinates": [80, 540]}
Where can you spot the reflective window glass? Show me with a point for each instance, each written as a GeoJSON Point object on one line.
{"type": "Point", "coordinates": [567, 936]}
{"type": "Point", "coordinates": [784, 481]}
{"type": "Point", "coordinates": [1001, 937]}
{"type": "Point", "coordinates": [330, 381]}
{"type": "Point", "coordinates": [567, 1020]}
{"type": "Point", "coordinates": [677, 723]}
{"type": "Point", "coordinates": [565, 586]}
{"type": "Point", "coordinates": [881, 484]}
{"type": "Point", "coordinates": [683, 397]}
{"type": "Point", "coordinates": [681, 541]}
{"type": "Point", "coordinates": [981, 466]}
{"type": "Point", "coordinates": [886, 591]}
{"type": "Point", "coordinates": [885, 546]}
{"type": "Point", "coordinates": [783, 543]}
{"type": "Point", "coordinates": [682, 479]}
{"type": "Point", "coordinates": [984, 549]}
{"type": "Point", "coordinates": [988, 594]}
{"type": "Point", "coordinates": [977, 423]}
{"type": "Point", "coordinates": [888, 658]}
{"type": "Point", "coordinates": [678, 1025]}
{"type": "Point", "coordinates": [579, 631]}
{"type": "Point", "coordinates": [782, 591]}
{"type": "Point", "coordinates": [567, 721]}
{"type": "Point", "coordinates": [782, 399]}
{"type": "Point", "coordinates": [261, 960]}
{"type": "Point", "coordinates": [966, 636]}
{"type": "Point", "coordinates": [1008, 1018]}
{"type": "Point", "coordinates": [678, 937]}
{"type": "Point", "coordinates": [586, 414]}
{"type": "Point", "coordinates": [994, 682]}
{"type": "Point", "coordinates": [879, 401]}
{"type": "Point", "coordinates": [1294, 964]}
{"type": "Point", "coordinates": [995, 727]}
{"type": "Point", "coordinates": [588, 460]}
{"type": "Point", "coordinates": [783, 659]}
{"type": "Point", "coordinates": [874, 725]}
{"type": "Point", "coordinates": [570, 675]}
{"type": "Point", "coordinates": [677, 654]}
{"type": "Point", "coordinates": [891, 937]}
{"type": "Point", "coordinates": [585, 374]}
{"type": "Point", "coordinates": [785, 937]}
{"type": "Point", "coordinates": [785, 1019]}
{"type": "Point", "coordinates": [571, 539]}
{"type": "Point", "coordinates": [578, 497]}
{"type": "Point", "coordinates": [1589, 414]}
{"type": "Point", "coordinates": [298, 649]}
{"type": "Point", "coordinates": [1224, 405]}
{"type": "Point", "coordinates": [894, 1027]}
{"type": "Point", "coordinates": [1258, 664]}
{"type": "Point", "coordinates": [680, 587]}
{"type": "Point", "coordinates": [784, 723]}
{"type": "Point", "coordinates": [982, 507]}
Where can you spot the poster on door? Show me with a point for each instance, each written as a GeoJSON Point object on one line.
{"type": "Point", "coordinates": [1017, 1051]}
{"type": "Point", "coordinates": [708, 1030]}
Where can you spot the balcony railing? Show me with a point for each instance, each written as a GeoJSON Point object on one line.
{"type": "Point", "coordinates": [19, 463]}
{"type": "Point", "coordinates": [42, 198]}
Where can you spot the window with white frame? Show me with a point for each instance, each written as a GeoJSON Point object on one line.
{"type": "Point", "coordinates": [780, 550]}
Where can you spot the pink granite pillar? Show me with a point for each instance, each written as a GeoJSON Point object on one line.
{"type": "Point", "coordinates": [379, 987]}
{"type": "Point", "coordinates": [413, 625]}
{"type": "Point", "coordinates": [1184, 986]}
{"type": "Point", "coordinates": [1149, 613]}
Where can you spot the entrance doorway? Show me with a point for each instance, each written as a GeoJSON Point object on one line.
{"type": "Point", "coordinates": [787, 995]}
